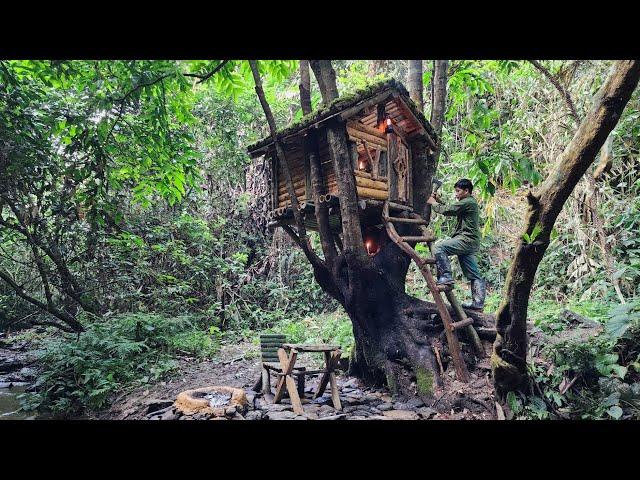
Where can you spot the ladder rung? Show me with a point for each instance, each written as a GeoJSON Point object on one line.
{"type": "Point", "coordinates": [461, 324]}
{"type": "Point", "coordinates": [444, 288]}
{"type": "Point", "coordinates": [415, 221]}
{"type": "Point", "coordinates": [428, 261]}
{"type": "Point", "coordinates": [417, 239]}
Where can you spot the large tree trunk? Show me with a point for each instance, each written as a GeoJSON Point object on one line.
{"type": "Point", "coordinates": [393, 331]}
{"type": "Point", "coordinates": [545, 203]}
{"type": "Point", "coordinates": [591, 194]}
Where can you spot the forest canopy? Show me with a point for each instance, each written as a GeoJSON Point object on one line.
{"type": "Point", "coordinates": [133, 220]}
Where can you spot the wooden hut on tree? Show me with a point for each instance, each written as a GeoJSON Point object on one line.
{"type": "Point", "coordinates": [359, 171]}
{"type": "Point", "coordinates": [387, 132]}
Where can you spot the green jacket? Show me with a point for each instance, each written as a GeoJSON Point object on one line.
{"type": "Point", "coordinates": [467, 227]}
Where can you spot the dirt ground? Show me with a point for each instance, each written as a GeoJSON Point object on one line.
{"type": "Point", "coordinates": [238, 366]}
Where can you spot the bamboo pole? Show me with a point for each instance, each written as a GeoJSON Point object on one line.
{"type": "Point", "coordinates": [372, 193]}
{"type": "Point", "coordinates": [358, 135]}
{"type": "Point", "coordinates": [299, 192]}
{"type": "Point", "coordinates": [367, 129]}
{"type": "Point", "coordinates": [368, 183]}
{"type": "Point", "coordinates": [462, 317]}
{"type": "Point", "coordinates": [363, 174]}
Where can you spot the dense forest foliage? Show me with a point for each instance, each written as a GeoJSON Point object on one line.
{"type": "Point", "coordinates": [133, 224]}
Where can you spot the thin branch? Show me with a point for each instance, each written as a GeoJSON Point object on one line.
{"type": "Point", "coordinates": [282, 159]}
{"type": "Point", "coordinates": [142, 85]}
{"type": "Point", "coordinates": [207, 76]}
{"type": "Point", "coordinates": [160, 79]}
{"type": "Point", "coordinates": [292, 234]}
{"type": "Point", "coordinates": [565, 94]}
{"type": "Point", "coordinates": [72, 322]}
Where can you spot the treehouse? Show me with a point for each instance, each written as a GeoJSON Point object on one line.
{"type": "Point", "coordinates": [389, 136]}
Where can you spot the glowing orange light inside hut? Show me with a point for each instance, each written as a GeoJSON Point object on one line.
{"type": "Point", "coordinates": [368, 245]}
{"type": "Point", "coordinates": [389, 128]}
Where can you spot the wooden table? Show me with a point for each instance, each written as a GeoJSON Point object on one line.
{"type": "Point", "coordinates": [287, 362]}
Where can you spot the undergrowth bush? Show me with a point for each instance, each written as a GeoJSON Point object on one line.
{"type": "Point", "coordinates": [332, 328]}
{"type": "Point", "coordinates": [594, 379]}
{"type": "Point", "coordinates": [122, 352]}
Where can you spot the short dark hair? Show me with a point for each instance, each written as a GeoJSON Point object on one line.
{"type": "Point", "coordinates": [464, 184]}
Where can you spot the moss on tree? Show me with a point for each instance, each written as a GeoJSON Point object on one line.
{"type": "Point", "coordinates": [424, 381]}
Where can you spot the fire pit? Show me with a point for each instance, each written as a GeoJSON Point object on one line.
{"type": "Point", "coordinates": [214, 401]}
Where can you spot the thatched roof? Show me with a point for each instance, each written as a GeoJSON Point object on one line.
{"type": "Point", "coordinates": [346, 102]}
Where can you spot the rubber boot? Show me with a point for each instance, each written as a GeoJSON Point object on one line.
{"type": "Point", "coordinates": [443, 266]}
{"type": "Point", "coordinates": [478, 294]}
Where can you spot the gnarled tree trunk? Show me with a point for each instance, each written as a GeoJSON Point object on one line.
{"type": "Point", "coordinates": [545, 203]}
{"type": "Point", "coordinates": [393, 331]}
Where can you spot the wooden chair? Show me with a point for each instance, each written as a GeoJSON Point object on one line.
{"type": "Point", "coordinates": [269, 345]}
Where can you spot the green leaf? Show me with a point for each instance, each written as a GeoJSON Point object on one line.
{"type": "Point", "coordinates": [536, 231]}
{"type": "Point", "coordinates": [426, 78]}
{"type": "Point", "coordinates": [513, 402]}
{"type": "Point", "coordinates": [611, 400]}
{"type": "Point", "coordinates": [617, 325]}
{"type": "Point", "coordinates": [619, 370]}
{"type": "Point", "coordinates": [619, 273]}
{"type": "Point", "coordinates": [615, 412]}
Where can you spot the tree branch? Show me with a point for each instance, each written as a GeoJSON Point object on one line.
{"type": "Point", "coordinates": [207, 76]}
{"type": "Point", "coordinates": [68, 319]}
{"type": "Point", "coordinates": [295, 204]}
{"type": "Point", "coordinates": [510, 348]}
{"type": "Point", "coordinates": [565, 94]}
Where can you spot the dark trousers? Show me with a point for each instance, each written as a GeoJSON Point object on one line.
{"type": "Point", "coordinates": [466, 256]}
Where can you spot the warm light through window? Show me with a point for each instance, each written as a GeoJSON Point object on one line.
{"type": "Point", "coordinates": [389, 128]}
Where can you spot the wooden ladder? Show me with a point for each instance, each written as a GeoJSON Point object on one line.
{"type": "Point", "coordinates": [423, 264]}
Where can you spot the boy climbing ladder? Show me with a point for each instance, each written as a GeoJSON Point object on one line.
{"type": "Point", "coordinates": [464, 242]}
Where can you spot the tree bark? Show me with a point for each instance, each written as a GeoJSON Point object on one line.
{"type": "Point", "coordinates": [376, 66]}
{"type": "Point", "coordinates": [326, 77]}
{"type": "Point", "coordinates": [305, 87]}
{"type": "Point", "coordinates": [508, 360]}
{"type": "Point", "coordinates": [439, 95]}
{"type": "Point", "coordinates": [438, 109]}
{"type": "Point", "coordinates": [415, 83]}
{"type": "Point", "coordinates": [606, 159]}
